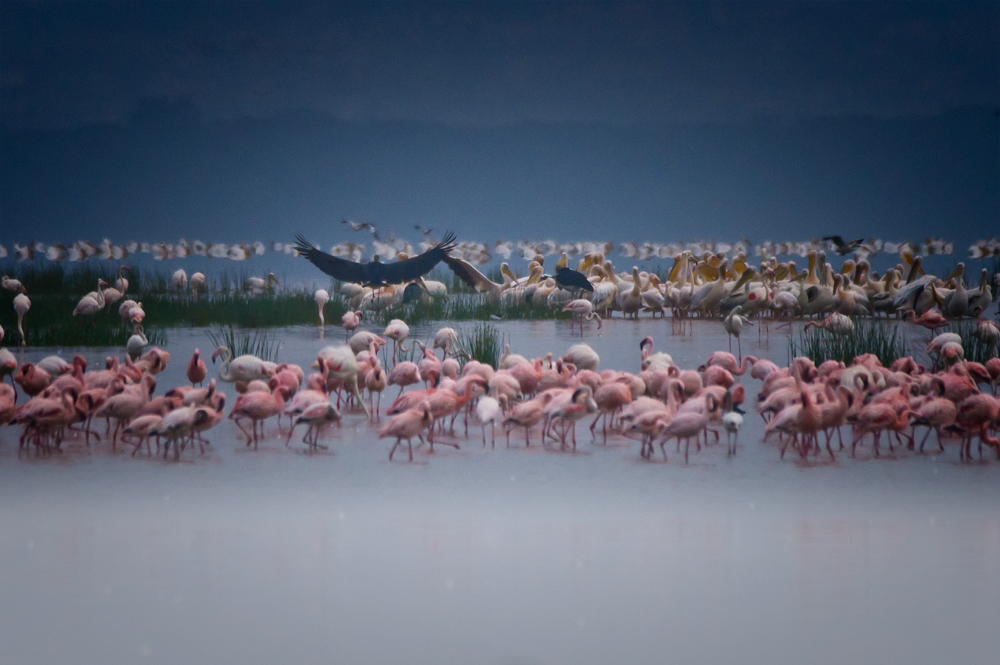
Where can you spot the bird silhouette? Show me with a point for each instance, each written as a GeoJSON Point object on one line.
{"type": "Point", "coordinates": [376, 273]}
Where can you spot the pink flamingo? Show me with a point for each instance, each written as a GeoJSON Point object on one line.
{"type": "Point", "coordinates": [406, 425]}
{"type": "Point", "coordinates": [196, 369]}
{"type": "Point", "coordinates": [351, 321]}
{"type": "Point", "coordinates": [258, 406]}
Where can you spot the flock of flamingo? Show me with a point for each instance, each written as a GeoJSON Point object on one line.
{"type": "Point", "coordinates": [655, 405]}
{"type": "Point", "coordinates": [660, 403]}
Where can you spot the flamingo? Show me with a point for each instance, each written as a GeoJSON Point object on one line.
{"type": "Point", "coordinates": [445, 338]}
{"type": "Point", "coordinates": [92, 303]}
{"type": "Point", "coordinates": [196, 369]}
{"type": "Point", "coordinates": [258, 406]}
{"type": "Point", "coordinates": [179, 280]}
{"type": "Point", "coordinates": [397, 331]}
{"type": "Point", "coordinates": [321, 297]}
{"type": "Point", "coordinates": [177, 425]}
{"type": "Point", "coordinates": [198, 282]}
{"type": "Point", "coordinates": [243, 368]}
{"type": "Point", "coordinates": [491, 410]}
{"type": "Point", "coordinates": [318, 417]}
{"type": "Point", "coordinates": [734, 326]}
{"type": "Point", "coordinates": [583, 310]}
{"type": "Point", "coordinates": [351, 321]}
{"type": "Point", "coordinates": [406, 425]}
{"type": "Point", "coordinates": [404, 374]}
{"type": "Point", "coordinates": [582, 357]}
{"type": "Point", "coordinates": [12, 285]}
{"type": "Point", "coordinates": [931, 319]}
{"type": "Point", "coordinates": [21, 305]}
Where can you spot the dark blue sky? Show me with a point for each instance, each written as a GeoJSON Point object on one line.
{"type": "Point", "coordinates": [644, 121]}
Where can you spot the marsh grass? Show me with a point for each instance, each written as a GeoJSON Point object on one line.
{"type": "Point", "coordinates": [261, 343]}
{"type": "Point", "coordinates": [50, 322]}
{"type": "Point", "coordinates": [975, 349]}
{"type": "Point", "coordinates": [483, 343]}
{"type": "Point", "coordinates": [878, 338]}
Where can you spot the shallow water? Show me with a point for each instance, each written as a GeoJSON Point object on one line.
{"type": "Point", "coordinates": [497, 556]}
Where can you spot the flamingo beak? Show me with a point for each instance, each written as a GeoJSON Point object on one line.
{"type": "Point", "coordinates": [214, 356]}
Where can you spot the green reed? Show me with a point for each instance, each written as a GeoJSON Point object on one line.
{"type": "Point", "coordinates": [483, 343]}
{"type": "Point", "coordinates": [260, 343]}
{"type": "Point", "coordinates": [878, 338]}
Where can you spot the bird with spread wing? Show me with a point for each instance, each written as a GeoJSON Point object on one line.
{"type": "Point", "coordinates": [375, 273]}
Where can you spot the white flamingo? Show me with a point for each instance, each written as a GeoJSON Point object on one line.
{"type": "Point", "coordinates": [21, 305]}
{"type": "Point", "coordinates": [321, 297]}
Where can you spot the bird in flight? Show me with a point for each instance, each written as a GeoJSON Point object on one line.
{"type": "Point", "coordinates": [426, 232]}
{"type": "Point", "coordinates": [375, 273]}
{"type": "Point", "coordinates": [361, 226]}
{"type": "Point", "coordinates": [842, 247]}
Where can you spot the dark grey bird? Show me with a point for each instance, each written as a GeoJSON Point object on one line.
{"type": "Point", "coordinates": [842, 247]}
{"type": "Point", "coordinates": [376, 273]}
{"type": "Point", "coordinates": [570, 279]}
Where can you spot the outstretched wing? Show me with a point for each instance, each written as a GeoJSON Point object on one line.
{"type": "Point", "coordinates": [472, 277]}
{"type": "Point", "coordinates": [418, 266]}
{"type": "Point", "coordinates": [376, 274]}
{"type": "Point", "coordinates": [342, 269]}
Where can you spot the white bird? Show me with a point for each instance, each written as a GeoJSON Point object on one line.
{"type": "Point", "coordinates": [242, 368]}
{"type": "Point", "coordinates": [732, 421]}
{"type": "Point", "coordinates": [92, 303]}
{"type": "Point", "coordinates": [21, 306]}
{"type": "Point", "coordinates": [321, 297]}
{"type": "Point", "coordinates": [179, 280]}
{"type": "Point", "coordinates": [490, 410]}
{"type": "Point", "coordinates": [197, 284]}
{"type": "Point", "coordinates": [259, 285]}
{"type": "Point", "coordinates": [446, 338]}
{"type": "Point", "coordinates": [137, 342]}
{"type": "Point", "coordinates": [734, 326]}
{"type": "Point", "coordinates": [582, 357]}
{"type": "Point", "coordinates": [397, 331]}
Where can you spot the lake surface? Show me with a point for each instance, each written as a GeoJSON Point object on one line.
{"type": "Point", "coordinates": [506, 556]}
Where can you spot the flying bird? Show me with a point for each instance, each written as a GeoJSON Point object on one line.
{"type": "Point", "coordinates": [376, 273]}
{"type": "Point", "coordinates": [842, 247]}
{"type": "Point", "coordinates": [361, 226]}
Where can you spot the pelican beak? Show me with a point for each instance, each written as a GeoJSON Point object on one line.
{"type": "Point", "coordinates": [744, 278]}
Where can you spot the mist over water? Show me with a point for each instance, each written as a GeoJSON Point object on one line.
{"type": "Point", "coordinates": [497, 556]}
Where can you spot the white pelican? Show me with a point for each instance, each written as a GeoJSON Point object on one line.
{"type": "Point", "coordinates": [21, 306]}
{"type": "Point", "coordinates": [259, 285]}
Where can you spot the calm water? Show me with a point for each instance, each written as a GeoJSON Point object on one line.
{"type": "Point", "coordinates": [497, 557]}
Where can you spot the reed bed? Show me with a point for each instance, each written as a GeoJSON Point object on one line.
{"type": "Point", "coordinates": [878, 338]}
{"type": "Point", "coordinates": [974, 348]}
{"type": "Point", "coordinates": [259, 342]}
{"type": "Point", "coordinates": [50, 322]}
{"type": "Point", "coordinates": [483, 343]}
